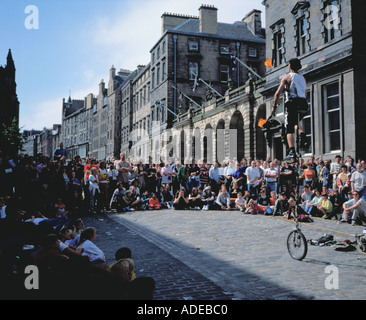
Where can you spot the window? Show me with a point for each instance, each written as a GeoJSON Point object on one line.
{"type": "Point", "coordinates": [158, 74]}
{"type": "Point", "coordinates": [252, 52]}
{"type": "Point", "coordinates": [193, 45]}
{"type": "Point", "coordinates": [277, 55]}
{"type": "Point", "coordinates": [332, 117]}
{"type": "Point", "coordinates": [301, 32]}
{"type": "Point", "coordinates": [225, 49]}
{"type": "Point", "coordinates": [193, 70]}
{"type": "Point", "coordinates": [224, 73]}
{"type": "Point", "coordinates": [163, 71]}
{"type": "Point", "coordinates": [331, 23]}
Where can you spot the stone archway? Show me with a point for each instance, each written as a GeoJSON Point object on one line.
{"type": "Point", "coordinates": [236, 131]}
{"type": "Point", "coordinates": [220, 141]}
{"type": "Point", "coordinates": [208, 145]}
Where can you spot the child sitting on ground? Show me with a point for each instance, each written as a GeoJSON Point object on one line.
{"type": "Point", "coordinates": [240, 202]}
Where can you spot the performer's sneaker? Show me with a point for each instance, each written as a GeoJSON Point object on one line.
{"type": "Point", "coordinates": [291, 157]}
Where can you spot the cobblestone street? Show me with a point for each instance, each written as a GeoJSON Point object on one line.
{"type": "Point", "coordinates": [196, 255]}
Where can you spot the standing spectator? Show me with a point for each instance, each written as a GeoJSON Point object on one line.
{"type": "Point", "coordinates": [103, 185]}
{"type": "Point", "coordinates": [204, 174]}
{"type": "Point", "coordinates": [214, 177]}
{"type": "Point", "coordinates": [94, 190]}
{"type": "Point", "coordinates": [238, 177]}
{"type": "Point", "coordinates": [253, 176]}
{"type": "Point", "coordinates": [358, 181]}
{"type": "Point", "coordinates": [151, 182]}
{"type": "Point", "coordinates": [59, 152]}
{"type": "Point", "coordinates": [335, 170]}
{"type": "Point", "coordinates": [123, 168]}
{"type": "Point", "coordinates": [342, 182]}
{"type": "Point", "coordinates": [309, 175]}
{"type": "Point", "coordinates": [271, 175]}
{"type": "Point", "coordinates": [323, 175]}
{"type": "Point", "coordinates": [193, 176]}
{"type": "Point", "coordinates": [166, 174]}
{"type": "Point", "coordinates": [112, 176]}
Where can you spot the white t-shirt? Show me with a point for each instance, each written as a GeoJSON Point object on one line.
{"type": "Point", "coordinates": [252, 173]}
{"type": "Point", "coordinates": [91, 251]}
{"type": "Point", "coordinates": [240, 201]}
{"type": "Point", "coordinates": [359, 180]}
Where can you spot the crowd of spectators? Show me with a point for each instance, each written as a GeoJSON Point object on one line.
{"type": "Point", "coordinates": [55, 192]}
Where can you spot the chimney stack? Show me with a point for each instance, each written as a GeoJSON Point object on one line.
{"type": "Point", "coordinates": [254, 21]}
{"type": "Point", "coordinates": [208, 19]}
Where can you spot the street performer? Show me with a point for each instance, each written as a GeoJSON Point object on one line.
{"type": "Point", "coordinates": [294, 85]}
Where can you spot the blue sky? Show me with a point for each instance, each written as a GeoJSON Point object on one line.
{"type": "Point", "coordinates": [79, 40]}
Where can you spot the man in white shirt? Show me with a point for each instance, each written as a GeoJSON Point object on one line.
{"type": "Point", "coordinates": [253, 175]}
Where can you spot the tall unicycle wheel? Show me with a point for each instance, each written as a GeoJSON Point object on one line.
{"type": "Point", "coordinates": [297, 245]}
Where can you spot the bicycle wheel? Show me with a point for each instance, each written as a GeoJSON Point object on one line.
{"type": "Point", "coordinates": [297, 245]}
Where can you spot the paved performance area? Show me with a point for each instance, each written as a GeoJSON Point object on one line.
{"type": "Point", "coordinates": [211, 255]}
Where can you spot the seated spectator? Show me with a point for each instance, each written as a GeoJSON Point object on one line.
{"type": "Point", "coordinates": [145, 197]}
{"type": "Point", "coordinates": [51, 252]}
{"type": "Point", "coordinates": [255, 208]}
{"type": "Point", "coordinates": [355, 209]}
{"type": "Point", "coordinates": [336, 200]}
{"type": "Point", "coordinates": [325, 207]}
{"type": "Point", "coordinates": [223, 200]}
{"type": "Point", "coordinates": [181, 201]}
{"type": "Point", "coordinates": [121, 254]}
{"type": "Point", "coordinates": [117, 201]}
{"type": "Point", "coordinates": [342, 182]}
{"type": "Point", "coordinates": [313, 204]}
{"type": "Point", "coordinates": [154, 203]}
{"type": "Point", "coordinates": [306, 197]}
{"type": "Point", "coordinates": [273, 198]}
{"type": "Point", "coordinates": [194, 199]}
{"type": "Point", "coordinates": [66, 248]}
{"type": "Point", "coordinates": [208, 198]}
{"type": "Point", "coordinates": [136, 201]}
{"type": "Point", "coordinates": [291, 210]}
{"type": "Point", "coordinates": [263, 199]}
{"type": "Point", "coordinates": [240, 202]}
{"type": "Point", "coordinates": [281, 206]}
{"type": "Point", "coordinates": [95, 255]}
{"type": "Point", "coordinates": [234, 191]}
{"type": "Point", "coordinates": [140, 288]}
{"type": "Point", "coordinates": [168, 196]}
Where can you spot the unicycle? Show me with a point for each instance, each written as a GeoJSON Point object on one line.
{"type": "Point", "coordinates": [297, 245]}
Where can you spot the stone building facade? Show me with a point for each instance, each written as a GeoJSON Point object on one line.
{"type": "Point", "coordinates": [199, 47]}
{"type": "Point", "coordinates": [327, 36]}
{"type": "Point", "coordinates": [77, 129]}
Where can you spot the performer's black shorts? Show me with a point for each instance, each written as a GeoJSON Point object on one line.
{"type": "Point", "coordinates": [296, 109]}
